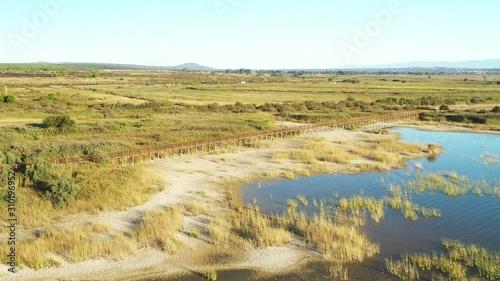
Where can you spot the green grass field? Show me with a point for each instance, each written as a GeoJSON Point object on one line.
{"type": "Point", "coordinates": [117, 110]}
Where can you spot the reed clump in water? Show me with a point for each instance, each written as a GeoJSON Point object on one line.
{"type": "Point", "coordinates": [359, 203]}
{"type": "Point", "coordinates": [460, 262]}
{"type": "Point", "coordinates": [337, 271]}
{"type": "Point", "coordinates": [451, 184]}
{"type": "Point", "coordinates": [247, 227]}
{"type": "Point", "coordinates": [487, 263]}
{"type": "Point", "coordinates": [303, 200]}
{"type": "Point", "coordinates": [403, 269]}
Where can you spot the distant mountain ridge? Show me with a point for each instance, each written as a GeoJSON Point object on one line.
{"type": "Point", "coordinates": [185, 66]}
{"type": "Point", "coordinates": [190, 66]}
{"type": "Point", "coordinates": [441, 67]}
{"type": "Point", "coordinates": [471, 64]}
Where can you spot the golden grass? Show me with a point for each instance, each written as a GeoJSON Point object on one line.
{"type": "Point", "coordinates": [486, 262]}
{"type": "Point", "coordinates": [210, 275]}
{"type": "Point", "coordinates": [379, 154]}
{"type": "Point", "coordinates": [455, 264]}
{"type": "Point", "coordinates": [219, 230]}
{"type": "Point", "coordinates": [157, 230]}
{"type": "Point", "coordinates": [196, 208]}
{"type": "Point", "coordinates": [404, 268]}
{"type": "Point", "coordinates": [337, 271]}
{"type": "Point", "coordinates": [334, 242]}
{"type": "Point", "coordinates": [258, 229]}
{"type": "Point", "coordinates": [303, 200]}
{"type": "Point", "coordinates": [75, 245]}
{"type": "Point", "coordinates": [102, 188]}
{"type": "Point", "coordinates": [430, 212]}
{"type": "Point", "coordinates": [451, 184]}
{"type": "Point", "coordinates": [358, 203]}
{"type": "Point", "coordinates": [410, 210]}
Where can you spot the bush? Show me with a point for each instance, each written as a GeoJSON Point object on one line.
{"type": "Point", "coordinates": [213, 107]}
{"type": "Point", "coordinates": [62, 193]}
{"type": "Point", "coordinates": [8, 98]}
{"type": "Point", "coordinates": [496, 109]}
{"type": "Point", "coordinates": [60, 122]}
{"type": "Point", "coordinates": [50, 96]}
{"type": "Point", "coordinates": [444, 107]}
{"type": "Point", "coordinates": [476, 100]}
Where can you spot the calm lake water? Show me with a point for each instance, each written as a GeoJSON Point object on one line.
{"type": "Point", "coordinates": [468, 218]}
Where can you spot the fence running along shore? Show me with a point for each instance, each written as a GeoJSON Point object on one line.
{"type": "Point", "coordinates": [159, 152]}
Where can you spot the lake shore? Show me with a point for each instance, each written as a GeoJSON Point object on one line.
{"type": "Point", "coordinates": [197, 178]}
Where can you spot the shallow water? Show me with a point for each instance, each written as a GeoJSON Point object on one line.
{"type": "Point", "coordinates": [468, 218]}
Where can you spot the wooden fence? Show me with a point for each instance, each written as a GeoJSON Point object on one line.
{"type": "Point", "coordinates": [158, 152]}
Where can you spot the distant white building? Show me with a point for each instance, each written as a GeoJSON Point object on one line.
{"type": "Point", "coordinates": [243, 82]}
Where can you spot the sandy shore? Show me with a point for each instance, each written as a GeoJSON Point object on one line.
{"type": "Point", "coordinates": [194, 177]}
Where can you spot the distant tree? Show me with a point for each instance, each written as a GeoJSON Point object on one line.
{"type": "Point", "coordinates": [496, 109]}
{"type": "Point", "coordinates": [444, 107]}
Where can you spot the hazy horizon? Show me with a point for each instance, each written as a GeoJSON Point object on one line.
{"type": "Point", "coordinates": [249, 33]}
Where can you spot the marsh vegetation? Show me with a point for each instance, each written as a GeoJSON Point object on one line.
{"type": "Point", "coordinates": [96, 113]}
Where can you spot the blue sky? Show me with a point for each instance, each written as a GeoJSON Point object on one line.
{"type": "Point", "coordinates": [249, 33]}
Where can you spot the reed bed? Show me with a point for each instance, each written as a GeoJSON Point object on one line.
{"type": "Point", "coordinates": [461, 262]}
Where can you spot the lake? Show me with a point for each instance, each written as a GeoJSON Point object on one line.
{"type": "Point", "coordinates": [468, 218]}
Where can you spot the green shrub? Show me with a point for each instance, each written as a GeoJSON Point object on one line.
{"type": "Point", "coordinates": [60, 190]}
{"type": "Point", "coordinates": [63, 192]}
{"type": "Point", "coordinates": [8, 98]}
{"type": "Point", "coordinates": [50, 96]}
{"type": "Point", "coordinates": [60, 122]}
{"type": "Point", "coordinates": [444, 107]}
{"type": "Point", "coordinates": [496, 109]}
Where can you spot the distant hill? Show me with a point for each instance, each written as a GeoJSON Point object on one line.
{"type": "Point", "coordinates": [472, 64]}
{"type": "Point", "coordinates": [465, 67]}
{"type": "Point", "coordinates": [88, 66]}
{"type": "Point", "coordinates": [186, 66]}
{"type": "Point", "coordinates": [190, 66]}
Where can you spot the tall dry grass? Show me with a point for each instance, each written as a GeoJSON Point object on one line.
{"type": "Point", "coordinates": [334, 242]}
{"type": "Point", "coordinates": [157, 230]}
{"type": "Point", "coordinates": [102, 188]}
{"type": "Point", "coordinates": [74, 245]}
